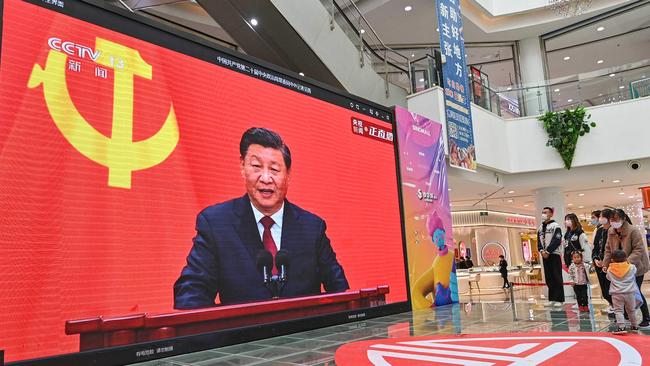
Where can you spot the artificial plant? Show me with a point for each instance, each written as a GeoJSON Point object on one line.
{"type": "Point", "coordinates": [564, 128]}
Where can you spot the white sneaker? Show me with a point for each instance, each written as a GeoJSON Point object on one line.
{"type": "Point", "coordinates": [558, 304]}
{"type": "Point", "coordinates": [610, 310]}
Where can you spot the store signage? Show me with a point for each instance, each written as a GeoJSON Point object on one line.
{"type": "Point", "coordinates": [460, 133]}
{"type": "Point", "coordinates": [501, 349]}
{"type": "Point", "coordinates": [491, 251]}
{"type": "Point", "coordinates": [521, 220]}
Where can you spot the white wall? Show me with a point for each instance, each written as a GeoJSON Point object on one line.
{"type": "Point", "coordinates": [519, 145]}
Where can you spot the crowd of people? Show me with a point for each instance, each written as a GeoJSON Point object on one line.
{"type": "Point", "coordinates": [617, 253]}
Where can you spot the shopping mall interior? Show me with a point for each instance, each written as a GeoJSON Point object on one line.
{"type": "Point", "coordinates": [461, 123]}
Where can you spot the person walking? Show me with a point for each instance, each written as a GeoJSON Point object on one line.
{"type": "Point", "coordinates": [598, 254]}
{"type": "Point", "coordinates": [623, 236]}
{"type": "Point", "coordinates": [503, 269]}
{"type": "Point", "coordinates": [549, 242]}
{"type": "Point", "coordinates": [575, 240]}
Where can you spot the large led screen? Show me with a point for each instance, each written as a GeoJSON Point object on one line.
{"type": "Point", "coordinates": [137, 179]}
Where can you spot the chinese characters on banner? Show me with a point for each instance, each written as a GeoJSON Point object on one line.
{"type": "Point", "coordinates": [460, 134]}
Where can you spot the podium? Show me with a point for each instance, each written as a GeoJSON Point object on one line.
{"type": "Point", "coordinates": [109, 331]}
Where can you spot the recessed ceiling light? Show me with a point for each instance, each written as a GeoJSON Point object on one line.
{"type": "Point", "coordinates": [600, 61]}
{"type": "Point", "coordinates": [509, 201]}
{"type": "Point", "coordinates": [570, 204]}
{"type": "Point", "coordinates": [511, 192]}
{"type": "Point", "coordinates": [301, 73]}
{"type": "Point", "coordinates": [526, 205]}
{"type": "Point", "coordinates": [639, 200]}
{"type": "Point", "coordinates": [362, 31]}
{"type": "Point", "coordinates": [581, 195]}
{"type": "Point", "coordinates": [581, 206]}
{"type": "Point", "coordinates": [422, 80]}
{"type": "Point", "coordinates": [621, 193]}
{"type": "Point", "coordinates": [254, 22]}
{"type": "Point", "coordinates": [631, 197]}
{"type": "Point", "coordinates": [570, 100]}
{"type": "Point", "coordinates": [600, 29]}
{"type": "Point", "coordinates": [621, 87]}
{"type": "Point", "coordinates": [408, 8]}
{"type": "Point", "coordinates": [556, 90]}
{"type": "Point", "coordinates": [612, 75]}
{"type": "Point", "coordinates": [449, 189]}
{"type": "Point", "coordinates": [413, 55]}
{"type": "Point", "coordinates": [616, 181]}
{"type": "Point", "coordinates": [437, 29]}
{"type": "Point", "coordinates": [509, 88]}
{"type": "Point", "coordinates": [600, 94]}
{"type": "Point", "coordinates": [567, 58]}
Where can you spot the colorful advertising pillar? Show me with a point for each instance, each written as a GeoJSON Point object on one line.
{"type": "Point", "coordinates": [427, 215]}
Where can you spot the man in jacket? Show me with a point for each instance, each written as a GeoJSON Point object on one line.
{"type": "Point", "coordinates": [549, 243]}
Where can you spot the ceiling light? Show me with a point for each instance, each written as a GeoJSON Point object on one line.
{"type": "Point", "coordinates": [639, 200]}
{"type": "Point", "coordinates": [569, 100]}
{"type": "Point", "coordinates": [362, 31]}
{"type": "Point", "coordinates": [616, 181]}
{"type": "Point", "coordinates": [408, 8]}
{"type": "Point", "coordinates": [301, 73]}
{"type": "Point", "coordinates": [567, 58]}
{"type": "Point", "coordinates": [631, 197]}
{"type": "Point", "coordinates": [413, 55]}
{"type": "Point", "coordinates": [621, 87]}
{"type": "Point", "coordinates": [526, 205]}
{"type": "Point", "coordinates": [642, 76]}
{"type": "Point", "coordinates": [422, 80]}
{"type": "Point", "coordinates": [556, 90]}
{"type": "Point", "coordinates": [570, 204]}
{"type": "Point", "coordinates": [509, 88]}
{"type": "Point", "coordinates": [581, 206]}
{"type": "Point", "coordinates": [581, 195]}
{"type": "Point", "coordinates": [612, 75]}
{"type": "Point", "coordinates": [449, 189]}
{"type": "Point", "coordinates": [438, 30]}
{"type": "Point", "coordinates": [511, 192]}
{"type": "Point", "coordinates": [509, 201]}
{"type": "Point", "coordinates": [254, 22]}
{"type": "Point", "coordinates": [600, 61]}
{"type": "Point", "coordinates": [600, 94]}
{"type": "Point", "coordinates": [600, 29]}
{"type": "Point", "coordinates": [621, 193]}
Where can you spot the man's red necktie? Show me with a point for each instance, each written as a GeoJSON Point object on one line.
{"type": "Point", "coordinates": [267, 239]}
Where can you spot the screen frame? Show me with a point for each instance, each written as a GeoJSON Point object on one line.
{"type": "Point", "coordinates": [178, 40]}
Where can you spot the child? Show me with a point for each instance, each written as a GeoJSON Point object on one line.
{"type": "Point", "coordinates": [623, 290]}
{"type": "Point", "coordinates": [503, 269]}
{"type": "Point", "coordinates": [579, 272]}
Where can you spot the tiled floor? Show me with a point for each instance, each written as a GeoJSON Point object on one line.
{"type": "Point", "coordinates": [488, 312]}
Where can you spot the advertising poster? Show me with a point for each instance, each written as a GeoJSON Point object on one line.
{"type": "Point", "coordinates": [427, 216]}
{"type": "Point", "coordinates": [460, 134]}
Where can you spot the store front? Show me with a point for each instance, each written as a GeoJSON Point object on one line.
{"type": "Point", "coordinates": [485, 235]}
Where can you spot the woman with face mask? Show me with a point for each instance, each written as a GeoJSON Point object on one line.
{"type": "Point", "coordinates": [623, 236]}
{"type": "Point", "coordinates": [600, 242]}
{"type": "Point", "coordinates": [575, 240]}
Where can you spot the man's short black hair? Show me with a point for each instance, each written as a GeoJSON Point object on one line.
{"type": "Point", "coordinates": [596, 213]}
{"type": "Point", "coordinates": [549, 208]}
{"type": "Point", "coordinates": [267, 138]}
{"type": "Point", "coordinates": [619, 256]}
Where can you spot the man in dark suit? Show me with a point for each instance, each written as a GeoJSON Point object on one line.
{"type": "Point", "coordinates": [230, 235]}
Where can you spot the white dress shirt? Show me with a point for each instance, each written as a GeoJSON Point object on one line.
{"type": "Point", "coordinates": [276, 229]}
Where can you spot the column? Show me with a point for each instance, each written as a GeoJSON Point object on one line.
{"type": "Point", "coordinates": [550, 197]}
{"type": "Point", "coordinates": [531, 67]}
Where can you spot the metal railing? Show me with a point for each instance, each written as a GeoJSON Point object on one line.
{"type": "Point", "coordinates": [393, 66]}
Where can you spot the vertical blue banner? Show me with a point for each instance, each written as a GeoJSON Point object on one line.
{"type": "Point", "coordinates": [460, 134]}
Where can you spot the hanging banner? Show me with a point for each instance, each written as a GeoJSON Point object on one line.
{"type": "Point", "coordinates": [427, 216]}
{"type": "Point", "coordinates": [460, 134]}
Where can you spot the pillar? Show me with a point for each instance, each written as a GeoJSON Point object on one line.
{"type": "Point", "coordinates": [531, 67]}
{"type": "Point", "coordinates": [550, 197]}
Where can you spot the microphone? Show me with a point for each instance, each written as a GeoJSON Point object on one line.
{"type": "Point", "coordinates": [282, 264]}
{"type": "Point", "coordinates": [265, 263]}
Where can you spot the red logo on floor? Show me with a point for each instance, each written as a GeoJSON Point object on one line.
{"type": "Point", "coordinates": [545, 349]}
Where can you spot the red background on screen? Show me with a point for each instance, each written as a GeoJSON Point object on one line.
{"type": "Point", "coordinates": [73, 247]}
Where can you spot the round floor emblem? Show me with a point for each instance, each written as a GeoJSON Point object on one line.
{"type": "Point", "coordinates": [544, 349]}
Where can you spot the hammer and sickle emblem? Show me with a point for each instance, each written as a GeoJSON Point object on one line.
{"type": "Point", "coordinates": [119, 153]}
